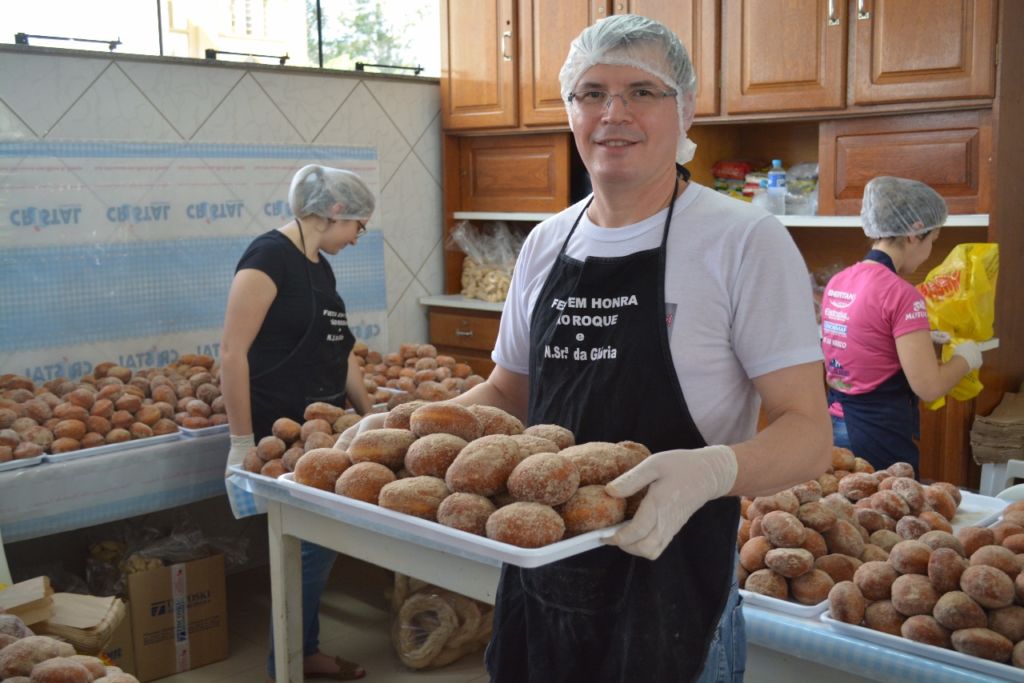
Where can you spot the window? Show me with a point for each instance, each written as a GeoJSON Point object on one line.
{"type": "Point", "coordinates": [398, 33]}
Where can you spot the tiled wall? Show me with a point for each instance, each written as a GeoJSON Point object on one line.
{"type": "Point", "coordinates": [65, 95]}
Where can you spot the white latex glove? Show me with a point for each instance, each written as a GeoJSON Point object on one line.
{"type": "Point", "coordinates": [368, 422]}
{"type": "Point", "coordinates": [940, 337]}
{"type": "Point", "coordinates": [240, 445]}
{"type": "Point", "coordinates": [969, 351]}
{"type": "Point", "coordinates": [681, 481]}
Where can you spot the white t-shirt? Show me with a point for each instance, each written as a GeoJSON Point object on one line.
{"type": "Point", "coordinates": [737, 294]}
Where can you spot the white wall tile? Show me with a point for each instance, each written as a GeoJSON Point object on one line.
{"type": "Point", "coordinates": [113, 109]}
{"type": "Point", "coordinates": [307, 101]}
{"type": "Point", "coordinates": [411, 213]}
{"type": "Point", "coordinates": [397, 274]}
{"type": "Point", "coordinates": [247, 114]}
{"type": "Point", "coordinates": [40, 88]}
{"type": "Point", "coordinates": [185, 95]}
{"type": "Point", "coordinates": [428, 148]}
{"type": "Point", "coordinates": [407, 323]}
{"type": "Point", "coordinates": [410, 106]}
{"type": "Point", "coordinates": [11, 127]}
{"type": "Point", "coordinates": [431, 275]}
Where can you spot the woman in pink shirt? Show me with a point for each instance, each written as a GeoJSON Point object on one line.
{"type": "Point", "coordinates": [879, 357]}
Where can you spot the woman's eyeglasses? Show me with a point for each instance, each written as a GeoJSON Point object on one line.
{"type": "Point", "coordinates": [361, 229]}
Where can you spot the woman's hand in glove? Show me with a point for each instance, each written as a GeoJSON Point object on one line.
{"type": "Point", "coordinates": [969, 351]}
{"type": "Point", "coordinates": [240, 446]}
{"type": "Point", "coordinates": [368, 422]}
{"type": "Point", "coordinates": [681, 481]}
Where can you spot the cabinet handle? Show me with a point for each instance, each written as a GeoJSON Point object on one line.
{"type": "Point", "coordinates": [833, 16]}
{"type": "Point", "coordinates": [463, 333]}
{"type": "Point", "coordinates": [506, 37]}
{"type": "Point", "coordinates": [862, 12]}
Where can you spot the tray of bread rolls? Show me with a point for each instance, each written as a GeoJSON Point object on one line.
{"type": "Point", "coordinates": [434, 535]}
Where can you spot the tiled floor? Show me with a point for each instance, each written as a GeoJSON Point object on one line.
{"type": "Point", "coordinates": [354, 623]}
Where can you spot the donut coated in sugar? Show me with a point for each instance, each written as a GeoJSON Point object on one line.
{"type": "Point", "coordinates": [529, 444]}
{"type": "Point", "coordinates": [496, 421]}
{"type": "Point", "coordinates": [398, 417]}
{"type": "Point", "coordinates": [599, 462]}
{"type": "Point", "coordinates": [417, 496]}
{"type": "Point", "coordinates": [321, 467]}
{"type": "Point", "coordinates": [449, 418]}
{"type": "Point", "coordinates": [591, 508]}
{"type": "Point", "coordinates": [431, 455]}
{"type": "Point", "coordinates": [466, 511]}
{"type": "Point", "coordinates": [560, 435]}
{"type": "Point", "coordinates": [363, 481]}
{"type": "Point", "coordinates": [484, 465]}
{"type": "Point", "coordinates": [384, 446]}
{"type": "Point", "coordinates": [527, 525]}
{"type": "Point", "coordinates": [547, 478]}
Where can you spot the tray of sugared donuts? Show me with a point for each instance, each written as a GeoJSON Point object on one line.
{"type": "Point", "coordinates": [472, 481]}
{"type": "Point", "coordinates": [795, 545]}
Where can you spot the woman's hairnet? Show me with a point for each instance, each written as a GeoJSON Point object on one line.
{"type": "Point", "coordinates": [898, 207]}
{"type": "Point", "coordinates": [316, 189]}
{"type": "Point", "coordinates": [642, 43]}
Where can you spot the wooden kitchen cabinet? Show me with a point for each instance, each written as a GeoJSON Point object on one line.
{"type": "Point", "coordinates": [514, 173]}
{"type": "Point", "coordinates": [951, 152]}
{"type": "Point", "coordinates": [466, 335]}
{"type": "Point", "coordinates": [895, 58]}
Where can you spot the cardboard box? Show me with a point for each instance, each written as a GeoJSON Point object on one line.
{"type": "Point", "coordinates": [179, 617]}
{"type": "Point", "coordinates": [119, 650]}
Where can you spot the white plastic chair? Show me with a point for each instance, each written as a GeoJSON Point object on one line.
{"type": "Point", "coordinates": [1015, 492]}
{"type": "Point", "coordinates": [994, 476]}
{"type": "Point", "coordinates": [5, 571]}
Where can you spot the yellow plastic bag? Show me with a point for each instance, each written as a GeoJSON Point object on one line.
{"type": "Point", "coordinates": [960, 294]}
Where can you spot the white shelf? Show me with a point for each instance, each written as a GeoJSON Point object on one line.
{"type": "Point", "coordinates": [501, 216]}
{"type": "Point", "coordinates": [967, 220]}
{"type": "Point", "coordinates": [459, 301]}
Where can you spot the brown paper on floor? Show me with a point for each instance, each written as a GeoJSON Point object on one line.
{"type": "Point", "coordinates": [85, 621]}
{"type": "Point", "coordinates": [999, 437]}
{"type": "Point", "coordinates": [30, 600]}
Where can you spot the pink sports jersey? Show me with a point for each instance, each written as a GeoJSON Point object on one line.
{"type": "Point", "coordinates": [863, 310]}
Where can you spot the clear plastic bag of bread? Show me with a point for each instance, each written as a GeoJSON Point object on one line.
{"type": "Point", "coordinates": [432, 627]}
{"type": "Point", "coordinates": [491, 250]}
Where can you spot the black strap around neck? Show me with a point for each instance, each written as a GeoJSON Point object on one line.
{"type": "Point", "coordinates": [880, 256]}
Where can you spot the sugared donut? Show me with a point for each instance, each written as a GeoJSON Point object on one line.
{"type": "Point", "coordinates": [642, 450]}
{"type": "Point", "coordinates": [547, 478]}
{"type": "Point", "coordinates": [599, 462]}
{"type": "Point", "coordinates": [466, 512]}
{"type": "Point", "coordinates": [95, 665]}
{"type": "Point", "coordinates": [591, 508]}
{"type": "Point", "coordinates": [384, 446]}
{"type": "Point", "coordinates": [363, 481]}
{"type": "Point", "coordinates": [448, 418]}
{"type": "Point", "coordinates": [530, 444]}
{"type": "Point", "coordinates": [398, 417]}
{"type": "Point", "coordinates": [286, 429]}
{"type": "Point", "coordinates": [320, 468]}
{"type": "Point", "coordinates": [483, 466]}
{"type": "Point", "coordinates": [417, 496]}
{"type": "Point", "coordinates": [527, 525]}
{"type": "Point", "coordinates": [18, 658]}
{"type": "Point", "coordinates": [431, 455]}
{"type": "Point", "coordinates": [60, 670]}
{"type": "Point", "coordinates": [560, 435]}
{"type": "Point", "coordinates": [496, 421]}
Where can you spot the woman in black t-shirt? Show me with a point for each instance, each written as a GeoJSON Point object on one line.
{"type": "Point", "coordinates": [287, 344]}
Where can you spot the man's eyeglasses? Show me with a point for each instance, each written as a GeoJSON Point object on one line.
{"type": "Point", "coordinates": [637, 99]}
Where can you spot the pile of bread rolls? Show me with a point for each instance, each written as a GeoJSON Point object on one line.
{"type": "Point", "coordinates": [276, 454]}
{"type": "Point", "coordinates": [962, 592]}
{"type": "Point", "coordinates": [478, 470]}
{"type": "Point", "coordinates": [25, 656]}
{"type": "Point", "coordinates": [417, 370]}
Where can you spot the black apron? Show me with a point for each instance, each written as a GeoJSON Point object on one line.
{"type": "Point", "coordinates": [882, 423]}
{"type": "Point", "coordinates": [607, 615]}
{"type": "Point", "coordinates": [315, 370]}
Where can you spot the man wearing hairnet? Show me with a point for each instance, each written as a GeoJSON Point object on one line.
{"type": "Point", "coordinates": [287, 344]}
{"type": "Point", "coordinates": [875, 336]}
{"type": "Point", "coordinates": [658, 311]}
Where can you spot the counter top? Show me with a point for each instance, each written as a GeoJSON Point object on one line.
{"type": "Point", "coordinates": [459, 301]}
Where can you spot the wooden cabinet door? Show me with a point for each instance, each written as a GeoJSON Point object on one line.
{"type": "Point", "coordinates": [546, 28]}
{"type": "Point", "coordinates": [696, 24]}
{"type": "Point", "coordinates": [784, 56]}
{"type": "Point", "coordinates": [951, 152]}
{"type": "Point", "coordinates": [478, 87]}
{"type": "Point", "coordinates": [514, 173]}
{"type": "Point", "coordinates": [906, 51]}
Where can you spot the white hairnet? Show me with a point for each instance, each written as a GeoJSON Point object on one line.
{"type": "Point", "coordinates": [316, 189]}
{"type": "Point", "coordinates": [642, 43]}
{"type": "Point", "coordinates": [898, 207]}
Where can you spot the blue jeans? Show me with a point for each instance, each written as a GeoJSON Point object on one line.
{"type": "Point", "coordinates": [840, 437]}
{"type": "Point", "coordinates": [316, 568]}
{"type": "Point", "coordinates": [727, 656]}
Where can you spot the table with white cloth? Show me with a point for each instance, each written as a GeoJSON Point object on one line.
{"type": "Point", "coordinates": [292, 519]}
{"type": "Point", "coordinates": [53, 497]}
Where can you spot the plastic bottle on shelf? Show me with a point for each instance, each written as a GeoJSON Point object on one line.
{"type": "Point", "coordinates": [760, 196]}
{"type": "Point", "coordinates": [777, 188]}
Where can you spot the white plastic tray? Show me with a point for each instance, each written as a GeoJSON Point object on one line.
{"type": "Point", "coordinates": [23, 462]}
{"type": "Point", "coordinates": [438, 536]}
{"type": "Point", "coordinates": [999, 672]}
{"type": "Point", "coordinates": [111, 447]}
{"type": "Point", "coordinates": [203, 431]}
{"type": "Point", "coordinates": [796, 609]}
{"type": "Point", "coordinates": [976, 510]}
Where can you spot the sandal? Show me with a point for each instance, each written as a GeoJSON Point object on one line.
{"type": "Point", "coordinates": [347, 671]}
